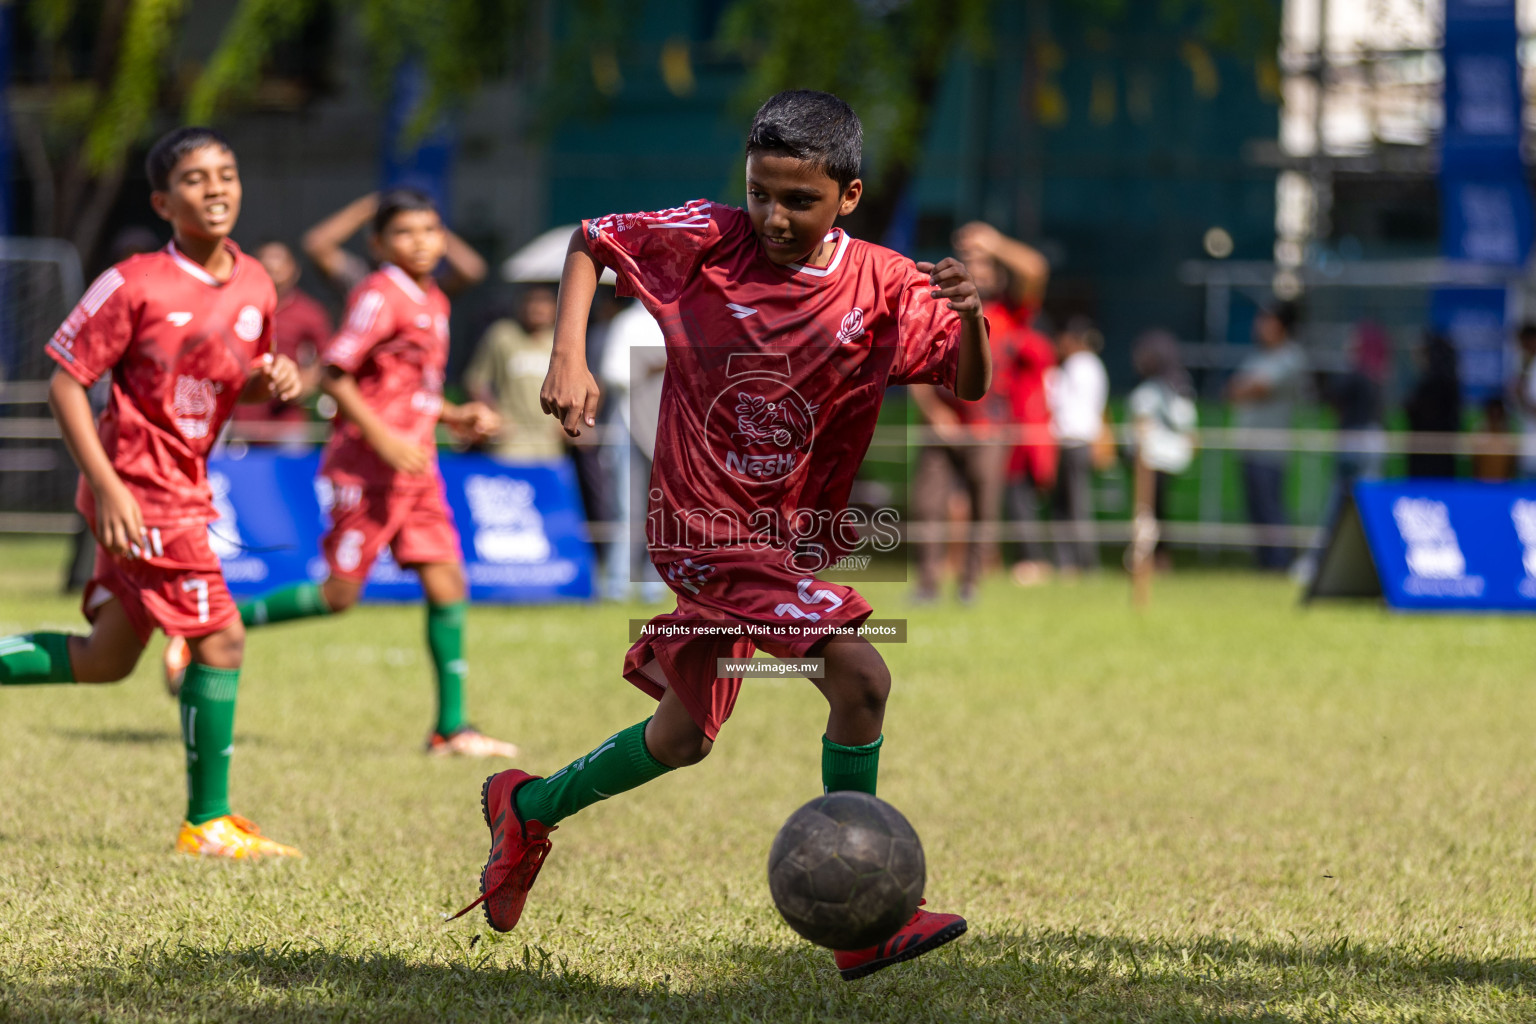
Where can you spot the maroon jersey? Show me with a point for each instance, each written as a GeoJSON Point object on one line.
{"type": "Point", "coordinates": [180, 346]}
{"type": "Point", "coordinates": [394, 341]}
{"type": "Point", "coordinates": [774, 375]}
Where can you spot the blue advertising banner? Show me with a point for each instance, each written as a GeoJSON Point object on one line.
{"type": "Point", "coordinates": [521, 527]}
{"type": "Point", "coordinates": [1485, 204]}
{"type": "Point", "coordinates": [1436, 545]}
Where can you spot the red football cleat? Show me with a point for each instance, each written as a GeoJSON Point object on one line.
{"type": "Point", "coordinates": [517, 853]}
{"type": "Point", "coordinates": [924, 933]}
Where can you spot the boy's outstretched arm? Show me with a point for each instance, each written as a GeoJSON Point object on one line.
{"type": "Point", "coordinates": [119, 520]}
{"type": "Point", "coordinates": [570, 392]}
{"type": "Point", "coordinates": [401, 454]}
{"type": "Point", "coordinates": [950, 280]}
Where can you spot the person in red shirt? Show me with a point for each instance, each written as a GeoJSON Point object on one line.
{"type": "Point", "coordinates": [1011, 277]}
{"type": "Point", "coordinates": [969, 433]}
{"type": "Point", "coordinates": [185, 332]}
{"type": "Point", "coordinates": [300, 329]}
{"type": "Point", "coordinates": [385, 371]}
{"type": "Point", "coordinates": [782, 334]}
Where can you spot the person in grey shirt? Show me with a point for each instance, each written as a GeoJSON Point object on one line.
{"type": "Point", "coordinates": [1264, 394]}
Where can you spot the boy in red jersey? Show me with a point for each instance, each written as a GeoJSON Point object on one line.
{"type": "Point", "coordinates": [186, 332]}
{"type": "Point", "coordinates": [782, 334]}
{"type": "Point", "coordinates": [385, 371]}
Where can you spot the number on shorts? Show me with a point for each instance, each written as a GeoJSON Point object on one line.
{"type": "Point", "coordinates": [200, 588]}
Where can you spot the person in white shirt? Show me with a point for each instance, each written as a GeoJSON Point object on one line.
{"type": "Point", "coordinates": [634, 359]}
{"type": "Point", "coordinates": [1078, 392]}
{"type": "Point", "coordinates": [1162, 411]}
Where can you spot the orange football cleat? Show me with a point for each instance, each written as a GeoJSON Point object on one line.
{"type": "Point", "coordinates": [231, 837]}
{"type": "Point", "coordinates": [468, 742]}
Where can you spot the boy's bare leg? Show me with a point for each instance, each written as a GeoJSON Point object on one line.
{"type": "Point", "coordinates": [673, 737]}
{"type": "Point", "coordinates": [111, 650]}
{"type": "Point", "coordinates": [856, 684]}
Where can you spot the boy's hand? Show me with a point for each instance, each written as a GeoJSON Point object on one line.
{"type": "Point", "coordinates": [120, 521]}
{"type": "Point", "coordinates": [403, 456]}
{"type": "Point", "coordinates": [280, 375]}
{"type": "Point", "coordinates": [951, 281]}
{"type": "Point", "coordinates": [475, 421]}
{"type": "Point", "coordinates": [570, 394]}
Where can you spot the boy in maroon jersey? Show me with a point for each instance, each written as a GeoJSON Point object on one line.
{"type": "Point", "coordinates": [782, 334]}
{"type": "Point", "coordinates": [385, 371]}
{"type": "Point", "coordinates": [186, 332]}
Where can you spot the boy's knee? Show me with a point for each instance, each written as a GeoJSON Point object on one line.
{"type": "Point", "coordinates": [339, 595]}
{"type": "Point", "coordinates": [864, 682]}
{"type": "Point", "coordinates": [681, 751]}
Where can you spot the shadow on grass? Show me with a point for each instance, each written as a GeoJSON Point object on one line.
{"type": "Point", "coordinates": [145, 737]}
{"type": "Point", "coordinates": [1018, 977]}
{"type": "Point", "coordinates": [122, 736]}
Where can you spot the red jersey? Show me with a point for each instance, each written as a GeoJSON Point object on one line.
{"type": "Point", "coordinates": [394, 341]}
{"type": "Point", "coordinates": [774, 375]}
{"type": "Point", "coordinates": [300, 328]}
{"type": "Point", "coordinates": [180, 346]}
{"type": "Point", "coordinates": [1021, 356]}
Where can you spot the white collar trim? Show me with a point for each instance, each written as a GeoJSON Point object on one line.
{"type": "Point", "coordinates": [407, 285]}
{"type": "Point", "coordinates": [195, 269]}
{"type": "Point", "coordinates": [837, 256]}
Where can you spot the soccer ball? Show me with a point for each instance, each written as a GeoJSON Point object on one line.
{"type": "Point", "coordinates": [846, 871]}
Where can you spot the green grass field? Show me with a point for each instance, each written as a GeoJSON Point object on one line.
{"type": "Point", "coordinates": [1225, 809]}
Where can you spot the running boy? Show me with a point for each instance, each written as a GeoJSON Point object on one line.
{"type": "Point", "coordinates": [186, 332]}
{"type": "Point", "coordinates": [385, 371]}
{"type": "Point", "coordinates": [782, 333]}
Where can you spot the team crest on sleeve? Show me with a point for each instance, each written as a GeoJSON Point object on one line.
{"type": "Point", "coordinates": [759, 428]}
{"type": "Point", "coordinates": [852, 327]}
{"type": "Point", "coordinates": [248, 324]}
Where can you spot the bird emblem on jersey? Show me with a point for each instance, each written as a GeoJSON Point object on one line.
{"type": "Point", "coordinates": [785, 423]}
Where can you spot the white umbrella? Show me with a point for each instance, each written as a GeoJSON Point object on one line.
{"type": "Point", "coordinates": [542, 260]}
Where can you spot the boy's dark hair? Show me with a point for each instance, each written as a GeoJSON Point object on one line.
{"type": "Point", "coordinates": [1287, 313]}
{"type": "Point", "coordinates": [397, 201]}
{"type": "Point", "coordinates": [168, 150]}
{"type": "Point", "coordinates": [813, 126]}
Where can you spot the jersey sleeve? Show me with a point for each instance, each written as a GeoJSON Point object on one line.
{"type": "Point", "coordinates": [654, 254]}
{"type": "Point", "coordinates": [927, 336]}
{"type": "Point", "coordinates": [369, 320]}
{"type": "Point", "coordinates": [97, 331]}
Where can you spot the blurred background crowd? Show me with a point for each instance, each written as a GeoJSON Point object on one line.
{"type": "Point", "coordinates": [1244, 243]}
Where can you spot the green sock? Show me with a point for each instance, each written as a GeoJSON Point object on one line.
{"type": "Point", "coordinates": [208, 729]}
{"type": "Point", "coordinates": [621, 762]}
{"type": "Point", "coordinates": [445, 640]}
{"type": "Point", "coordinates": [295, 601]}
{"type": "Point", "coordinates": [855, 768]}
{"type": "Point", "coordinates": [35, 658]}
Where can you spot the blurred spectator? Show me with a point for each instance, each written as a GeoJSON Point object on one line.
{"type": "Point", "coordinates": [631, 373]}
{"type": "Point", "coordinates": [507, 370]}
{"type": "Point", "coordinates": [1163, 415]}
{"type": "Point", "coordinates": [1525, 399]}
{"type": "Point", "coordinates": [1356, 399]}
{"type": "Point", "coordinates": [1264, 394]}
{"type": "Point", "coordinates": [1434, 406]}
{"type": "Point", "coordinates": [1078, 392]}
{"type": "Point", "coordinates": [325, 244]}
{"type": "Point", "coordinates": [130, 241]}
{"type": "Point", "coordinates": [1012, 277]}
{"type": "Point", "coordinates": [1494, 452]}
{"type": "Point", "coordinates": [301, 327]}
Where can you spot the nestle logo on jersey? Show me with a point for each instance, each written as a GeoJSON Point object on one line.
{"type": "Point", "coordinates": [761, 467]}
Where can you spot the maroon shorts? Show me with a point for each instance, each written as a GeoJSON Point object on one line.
{"type": "Point", "coordinates": [174, 584]}
{"type": "Point", "coordinates": [417, 525]}
{"type": "Point", "coordinates": [724, 591]}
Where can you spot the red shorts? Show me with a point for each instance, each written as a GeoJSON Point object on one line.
{"type": "Point", "coordinates": [735, 588]}
{"type": "Point", "coordinates": [417, 526]}
{"type": "Point", "coordinates": [176, 585]}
